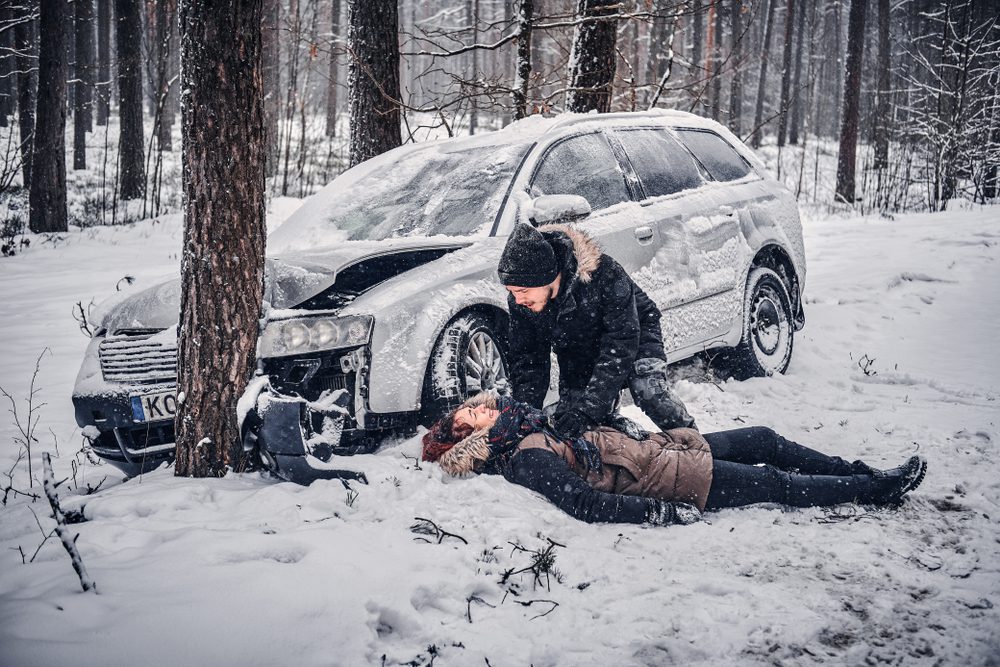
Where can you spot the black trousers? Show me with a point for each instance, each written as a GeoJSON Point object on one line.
{"type": "Point", "coordinates": [791, 475]}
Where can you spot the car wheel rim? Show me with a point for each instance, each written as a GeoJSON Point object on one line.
{"type": "Point", "coordinates": [770, 329]}
{"type": "Point", "coordinates": [484, 368]}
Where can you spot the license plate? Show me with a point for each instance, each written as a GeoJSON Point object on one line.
{"type": "Point", "coordinates": [154, 407]}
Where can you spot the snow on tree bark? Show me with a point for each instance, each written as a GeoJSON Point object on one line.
{"type": "Point", "coordinates": [166, 17]}
{"type": "Point", "coordinates": [47, 194]}
{"type": "Point", "coordinates": [222, 268]}
{"type": "Point", "coordinates": [852, 102]}
{"type": "Point", "coordinates": [882, 111]}
{"type": "Point", "coordinates": [373, 77]}
{"type": "Point", "coordinates": [131, 168]}
{"type": "Point", "coordinates": [736, 85]}
{"type": "Point", "coordinates": [593, 59]}
{"type": "Point", "coordinates": [522, 71]}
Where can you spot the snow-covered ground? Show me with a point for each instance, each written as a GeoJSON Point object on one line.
{"type": "Point", "coordinates": [898, 356]}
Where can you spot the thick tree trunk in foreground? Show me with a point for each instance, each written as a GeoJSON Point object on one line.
{"type": "Point", "coordinates": [593, 61]}
{"type": "Point", "coordinates": [47, 196]}
{"type": "Point", "coordinates": [131, 146]}
{"type": "Point", "coordinates": [222, 269]}
{"type": "Point", "coordinates": [27, 86]}
{"type": "Point", "coordinates": [373, 80]}
{"type": "Point", "coordinates": [84, 87]}
{"type": "Point", "coordinates": [852, 102]}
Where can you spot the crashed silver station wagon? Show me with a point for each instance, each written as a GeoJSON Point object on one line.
{"type": "Point", "coordinates": [382, 304]}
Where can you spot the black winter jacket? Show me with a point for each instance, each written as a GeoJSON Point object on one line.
{"type": "Point", "coordinates": [598, 325]}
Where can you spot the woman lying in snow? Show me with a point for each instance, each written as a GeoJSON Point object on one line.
{"type": "Point", "coordinates": [657, 478]}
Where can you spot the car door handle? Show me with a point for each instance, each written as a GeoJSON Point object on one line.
{"type": "Point", "coordinates": [727, 211]}
{"type": "Point", "coordinates": [644, 234]}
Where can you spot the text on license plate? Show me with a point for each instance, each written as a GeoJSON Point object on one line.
{"type": "Point", "coordinates": [151, 407]}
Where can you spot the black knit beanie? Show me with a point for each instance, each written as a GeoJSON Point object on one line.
{"type": "Point", "coordinates": [528, 259]}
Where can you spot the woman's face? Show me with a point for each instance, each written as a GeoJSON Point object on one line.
{"type": "Point", "coordinates": [478, 418]}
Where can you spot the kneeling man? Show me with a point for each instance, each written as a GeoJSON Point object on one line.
{"type": "Point", "coordinates": [566, 295]}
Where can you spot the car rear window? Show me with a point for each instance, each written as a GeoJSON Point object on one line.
{"type": "Point", "coordinates": [662, 165]}
{"type": "Point", "coordinates": [719, 158]}
{"type": "Point", "coordinates": [583, 165]}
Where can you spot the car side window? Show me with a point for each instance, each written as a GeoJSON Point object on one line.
{"type": "Point", "coordinates": [719, 158]}
{"type": "Point", "coordinates": [583, 165]}
{"type": "Point", "coordinates": [662, 165]}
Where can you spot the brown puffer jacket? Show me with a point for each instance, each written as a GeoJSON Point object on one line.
{"type": "Point", "coordinates": [673, 466]}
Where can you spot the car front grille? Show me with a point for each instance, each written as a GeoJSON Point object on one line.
{"type": "Point", "coordinates": [132, 357]}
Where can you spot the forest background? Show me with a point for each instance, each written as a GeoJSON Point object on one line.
{"type": "Point", "coordinates": [926, 122]}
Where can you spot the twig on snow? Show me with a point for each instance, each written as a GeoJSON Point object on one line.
{"type": "Point", "coordinates": [69, 543]}
{"type": "Point", "coordinates": [428, 527]}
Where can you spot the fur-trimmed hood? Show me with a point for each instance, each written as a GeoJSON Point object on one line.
{"type": "Point", "coordinates": [461, 459]}
{"type": "Point", "coordinates": [586, 250]}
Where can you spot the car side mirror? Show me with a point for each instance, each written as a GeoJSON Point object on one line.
{"type": "Point", "coordinates": [558, 208]}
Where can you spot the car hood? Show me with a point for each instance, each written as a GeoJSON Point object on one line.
{"type": "Point", "coordinates": [293, 279]}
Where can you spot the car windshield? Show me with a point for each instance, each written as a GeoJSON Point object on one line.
{"type": "Point", "coordinates": [426, 192]}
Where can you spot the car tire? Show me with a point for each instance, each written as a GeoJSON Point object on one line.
{"type": "Point", "coordinates": [470, 356]}
{"type": "Point", "coordinates": [768, 329]}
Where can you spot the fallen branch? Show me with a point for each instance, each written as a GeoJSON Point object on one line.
{"type": "Point", "coordinates": [49, 484]}
{"type": "Point", "coordinates": [428, 527]}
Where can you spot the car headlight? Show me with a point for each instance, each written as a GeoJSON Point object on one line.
{"type": "Point", "coordinates": [301, 335]}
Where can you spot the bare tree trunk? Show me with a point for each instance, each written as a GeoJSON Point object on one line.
{"type": "Point", "coordinates": [786, 73]}
{"type": "Point", "coordinates": [522, 70]}
{"type": "Point", "coordinates": [6, 64]}
{"type": "Point", "coordinates": [103, 83]}
{"type": "Point", "coordinates": [882, 109]}
{"type": "Point", "coordinates": [697, 36]}
{"type": "Point", "coordinates": [166, 16]}
{"type": "Point", "coordinates": [796, 111]}
{"type": "Point", "coordinates": [715, 40]}
{"type": "Point", "coordinates": [472, 19]}
{"type": "Point", "coordinates": [852, 98]}
{"type": "Point", "coordinates": [331, 91]}
{"type": "Point", "coordinates": [838, 80]}
{"type": "Point", "coordinates": [47, 195]}
{"type": "Point", "coordinates": [131, 145]}
{"type": "Point", "coordinates": [765, 58]}
{"type": "Point", "coordinates": [593, 60]}
{"type": "Point", "coordinates": [272, 80]}
{"type": "Point", "coordinates": [736, 86]}
{"type": "Point", "coordinates": [373, 80]}
{"type": "Point", "coordinates": [27, 87]}
{"type": "Point", "coordinates": [222, 271]}
{"type": "Point", "coordinates": [83, 97]}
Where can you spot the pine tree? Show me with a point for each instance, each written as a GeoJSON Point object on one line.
{"type": "Point", "coordinates": [222, 269]}
{"type": "Point", "coordinates": [373, 80]}
{"type": "Point", "coordinates": [593, 61]}
{"type": "Point", "coordinates": [131, 145]}
{"type": "Point", "coordinates": [47, 194]}
{"type": "Point", "coordinates": [852, 102]}
{"type": "Point", "coordinates": [83, 25]}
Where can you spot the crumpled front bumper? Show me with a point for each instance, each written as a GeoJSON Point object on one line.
{"type": "Point", "coordinates": [288, 446]}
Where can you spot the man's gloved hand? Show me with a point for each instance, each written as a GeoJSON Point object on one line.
{"type": "Point", "coordinates": [572, 423]}
{"type": "Point", "coordinates": [664, 513]}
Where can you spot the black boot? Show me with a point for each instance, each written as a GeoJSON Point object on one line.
{"type": "Point", "coordinates": [889, 486]}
